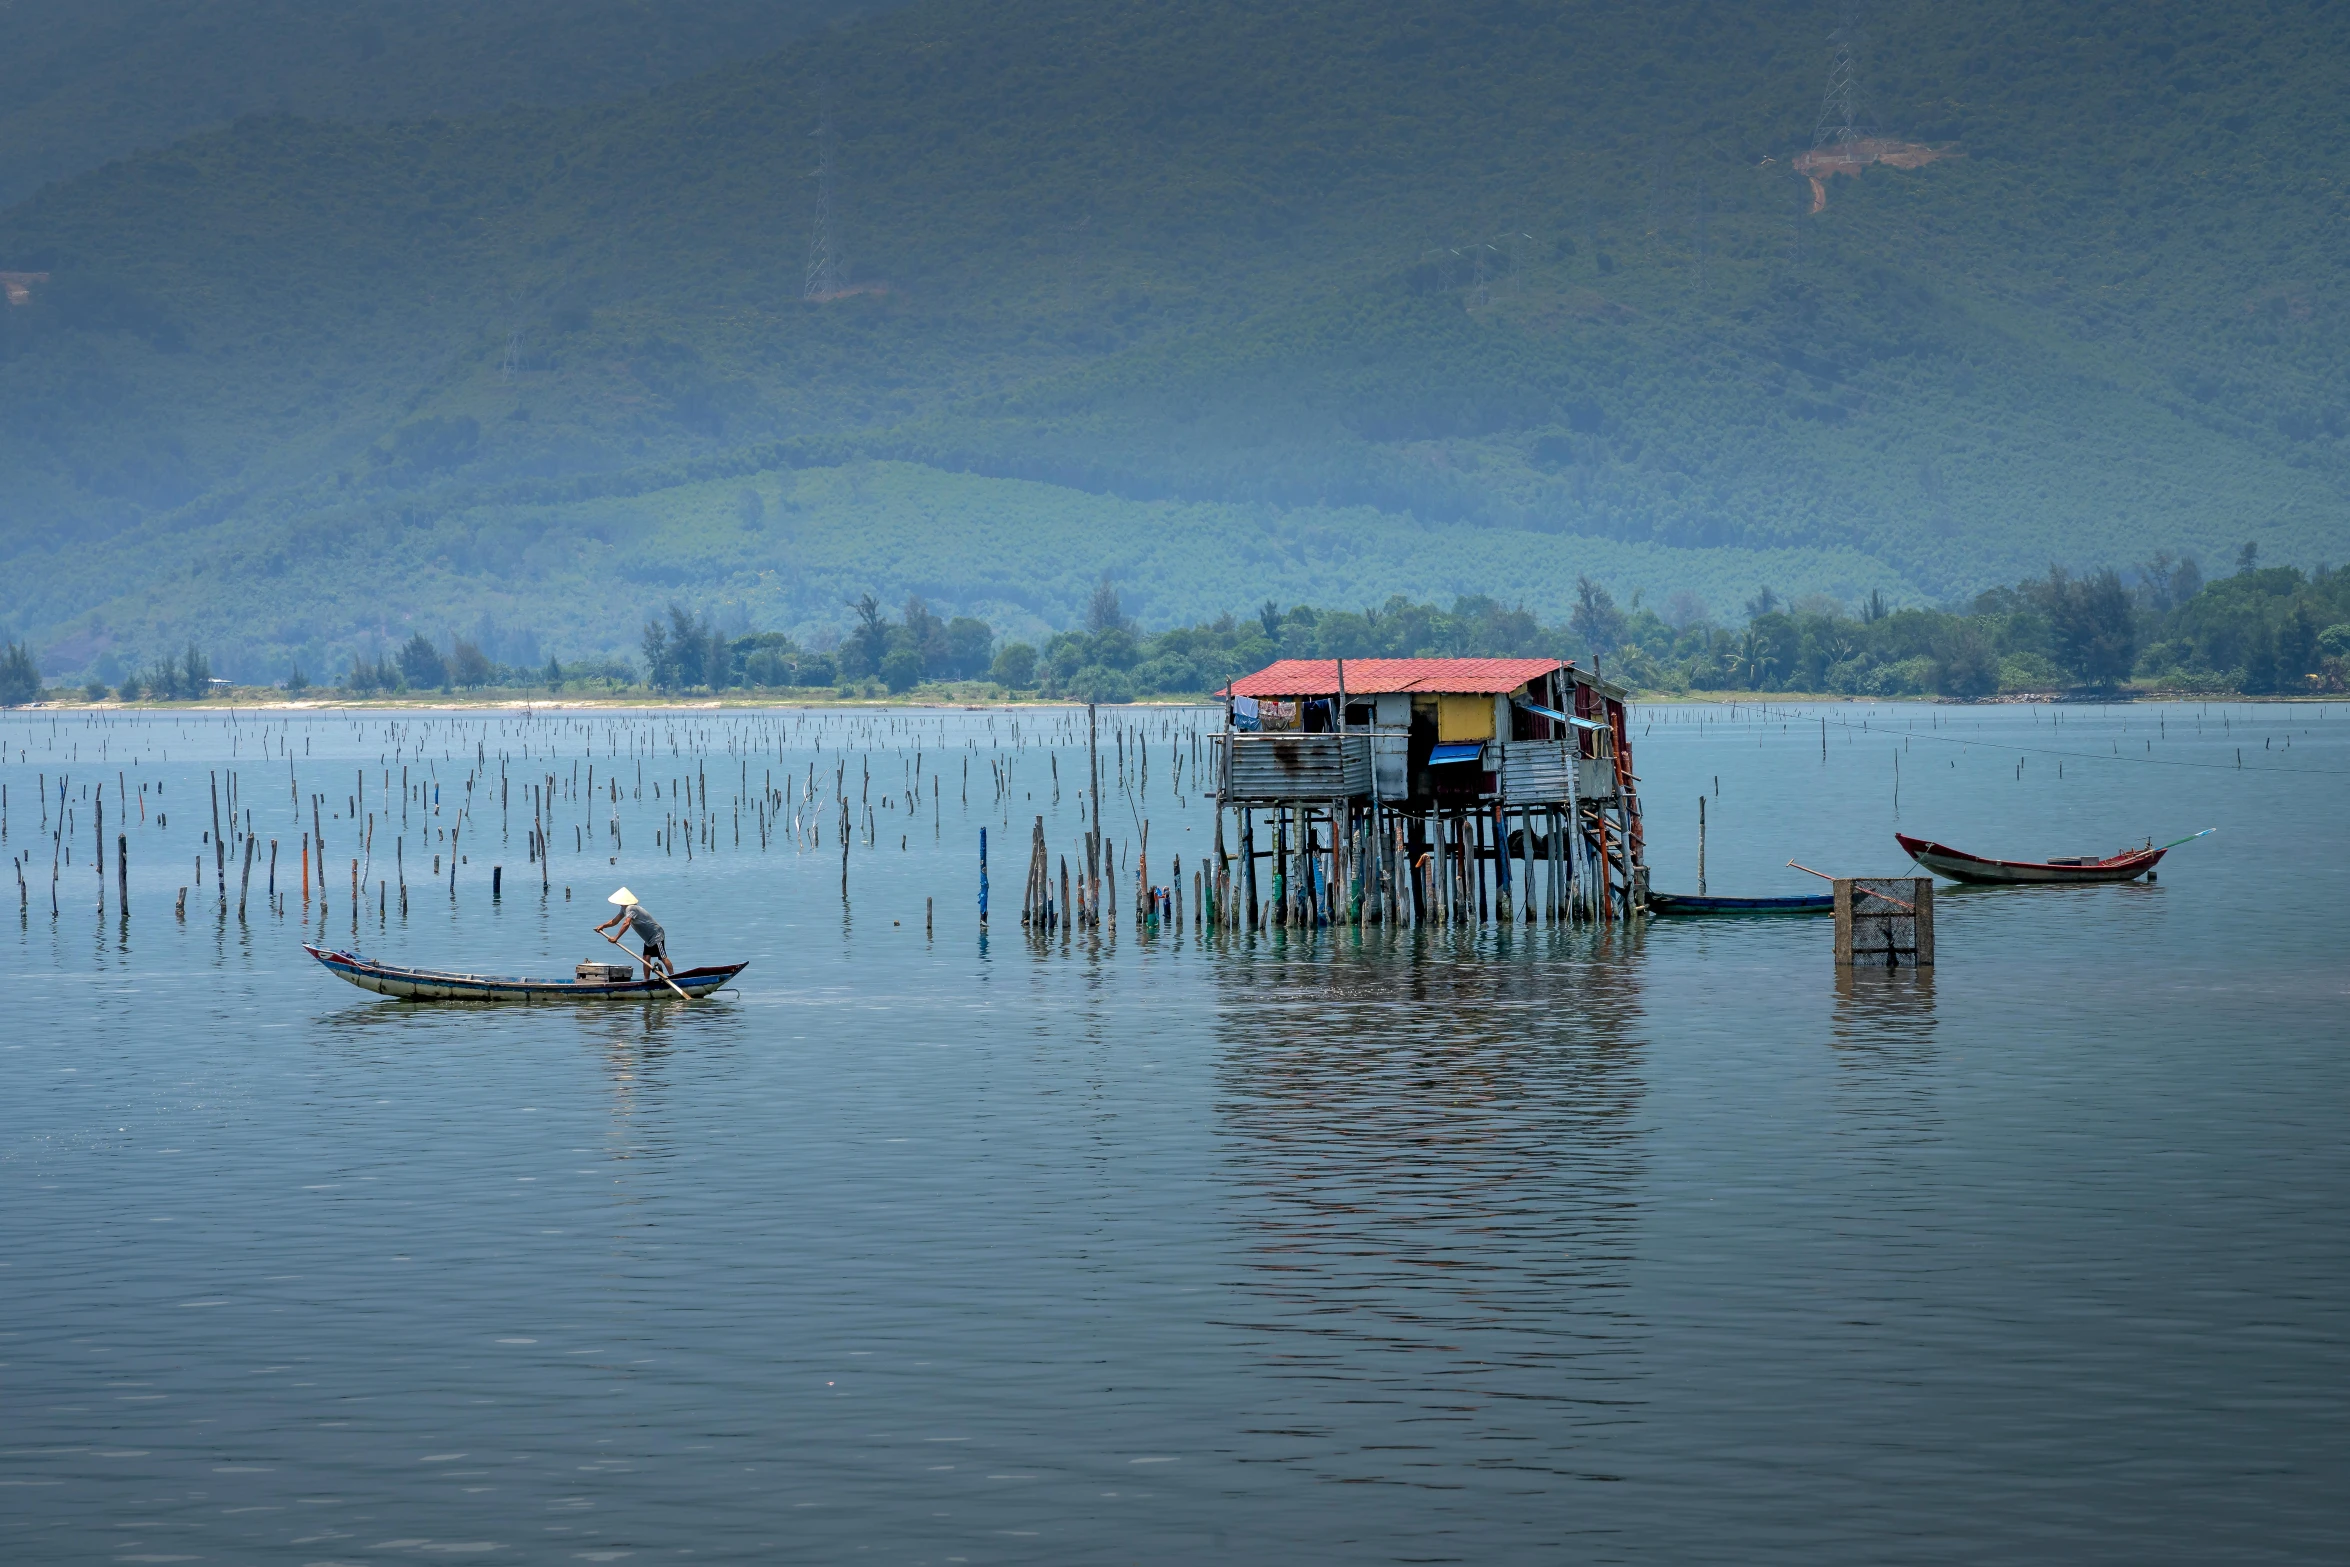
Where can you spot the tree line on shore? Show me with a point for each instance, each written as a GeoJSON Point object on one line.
{"type": "Point", "coordinates": [2262, 631]}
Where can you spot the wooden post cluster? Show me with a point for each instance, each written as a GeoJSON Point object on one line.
{"type": "Point", "coordinates": [1038, 913]}
{"type": "Point", "coordinates": [1059, 898]}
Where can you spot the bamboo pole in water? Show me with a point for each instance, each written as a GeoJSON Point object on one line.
{"type": "Point", "coordinates": [219, 848]}
{"type": "Point", "coordinates": [1093, 800]}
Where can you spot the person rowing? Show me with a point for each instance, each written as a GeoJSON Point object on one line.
{"type": "Point", "coordinates": [632, 918]}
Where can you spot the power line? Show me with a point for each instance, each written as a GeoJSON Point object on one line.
{"type": "Point", "coordinates": [1702, 194]}
{"type": "Point", "coordinates": [2041, 750]}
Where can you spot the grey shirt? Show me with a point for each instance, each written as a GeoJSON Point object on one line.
{"type": "Point", "coordinates": [648, 929]}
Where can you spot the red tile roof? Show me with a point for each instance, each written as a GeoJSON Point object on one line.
{"type": "Point", "coordinates": [1375, 676]}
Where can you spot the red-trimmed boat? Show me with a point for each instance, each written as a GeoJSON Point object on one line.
{"type": "Point", "coordinates": [1959, 865]}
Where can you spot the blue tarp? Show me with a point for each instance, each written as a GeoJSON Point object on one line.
{"type": "Point", "coordinates": [1564, 718]}
{"type": "Point", "coordinates": [1457, 751]}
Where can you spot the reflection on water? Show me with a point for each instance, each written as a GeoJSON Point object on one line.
{"type": "Point", "coordinates": [635, 1044]}
{"type": "Point", "coordinates": [1434, 1176]}
{"type": "Point", "coordinates": [1883, 1038]}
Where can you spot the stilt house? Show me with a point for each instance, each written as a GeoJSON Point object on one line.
{"type": "Point", "coordinates": [1426, 790]}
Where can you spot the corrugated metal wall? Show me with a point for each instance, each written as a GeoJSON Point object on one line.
{"type": "Point", "coordinates": [1299, 766]}
{"type": "Point", "coordinates": [1537, 772]}
{"type": "Point", "coordinates": [1295, 766]}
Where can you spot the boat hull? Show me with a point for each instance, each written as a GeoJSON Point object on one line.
{"type": "Point", "coordinates": [1680, 903]}
{"type": "Point", "coordinates": [415, 984]}
{"type": "Point", "coordinates": [1958, 865]}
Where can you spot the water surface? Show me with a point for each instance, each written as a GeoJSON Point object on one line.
{"type": "Point", "coordinates": [1492, 1246]}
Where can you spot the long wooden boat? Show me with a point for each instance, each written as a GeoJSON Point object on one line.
{"type": "Point", "coordinates": [1681, 903]}
{"type": "Point", "coordinates": [1959, 865]}
{"type": "Point", "coordinates": [424, 984]}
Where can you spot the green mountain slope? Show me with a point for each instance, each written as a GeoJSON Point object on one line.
{"type": "Point", "coordinates": [1317, 301]}
{"type": "Point", "coordinates": [82, 84]}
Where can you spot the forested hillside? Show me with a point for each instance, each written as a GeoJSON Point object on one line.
{"type": "Point", "coordinates": [1320, 302]}
{"type": "Point", "coordinates": [86, 81]}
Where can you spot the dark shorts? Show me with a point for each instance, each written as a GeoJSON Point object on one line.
{"type": "Point", "coordinates": [654, 949]}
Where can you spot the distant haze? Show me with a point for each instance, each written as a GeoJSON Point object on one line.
{"type": "Point", "coordinates": [1317, 303]}
{"type": "Point", "coordinates": [83, 82]}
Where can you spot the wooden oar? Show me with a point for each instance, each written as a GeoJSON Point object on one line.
{"type": "Point", "coordinates": [656, 973]}
{"type": "Point", "coordinates": [1857, 887]}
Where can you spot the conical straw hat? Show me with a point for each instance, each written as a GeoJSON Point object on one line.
{"type": "Point", "coordinates": [623, 897]}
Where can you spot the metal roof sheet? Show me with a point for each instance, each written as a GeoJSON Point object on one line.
{"type": "Point", "coordinates": [1382, 676]}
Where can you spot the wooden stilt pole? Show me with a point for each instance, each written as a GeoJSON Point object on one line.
{"type": "Point", "coordinates": [1483, 862]}
{"type": "Point", "coordinates": [1248, 864]}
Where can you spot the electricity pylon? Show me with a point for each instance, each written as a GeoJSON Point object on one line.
{"type": "Point", "coordinates": [825, 272]}
{"type": "Point", "coordinates": [1842, 122]}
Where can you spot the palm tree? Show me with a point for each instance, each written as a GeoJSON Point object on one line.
{"type": "Point", "coordinates": [1749, 666]}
